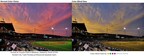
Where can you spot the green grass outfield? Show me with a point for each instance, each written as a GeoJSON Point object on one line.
{"type": "Point", "coordinates": [127, 45]}
{"type": "Point", "coordinates": [54, 45]}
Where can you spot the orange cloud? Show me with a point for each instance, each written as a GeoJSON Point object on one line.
{"type": "Point", "coordinates": [95, 22]}
{"type": "Point", "coordinates": [28, 18]}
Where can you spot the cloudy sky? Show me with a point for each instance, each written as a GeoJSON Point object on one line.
{"type": "Point", "coordinates": [110, 18]}
{"type": "Point", "coordinates": [38, 18]}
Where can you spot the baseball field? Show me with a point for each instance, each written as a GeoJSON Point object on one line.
{"type": "Point", "coordinates": [127, 45]}
{"type": "Point", "coordinates": [54, 45]}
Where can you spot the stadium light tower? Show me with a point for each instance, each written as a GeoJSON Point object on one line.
{"type": "Point", "coordinates": [66, 30]}
{"type": "Point", "coordinates": [124, 30]}
{"type": "Point", "coordinates": [52, 30]}
{"type": "Point", "coordinates": [138, 28]}
{"type": "Point", "coordinates": [138, 31]}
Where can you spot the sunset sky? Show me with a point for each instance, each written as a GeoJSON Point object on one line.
{"type": "Point", "coordinates": [110, 18]}
{"type": "Point", "coordinates": [38, 18]}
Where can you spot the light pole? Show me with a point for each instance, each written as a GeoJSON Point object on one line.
{"type": "Point", "coordinates": [52, 30]}
{"type": "Point", "coordinates": [138, 31]}
{"type": "Point", "coordinates": [124, 30]}
{"type": "Point", "coordinates": [66, 30]}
